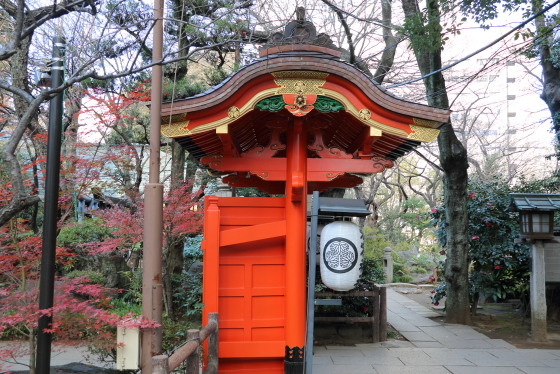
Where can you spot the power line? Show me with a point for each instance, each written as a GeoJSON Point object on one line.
{"type": "Point", "coordinates": [481, 49]}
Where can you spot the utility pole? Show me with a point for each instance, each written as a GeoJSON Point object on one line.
{"type": "Point", "coordinates": [48, 256]}
{"type": "Point", "coordinates": [152, 285]}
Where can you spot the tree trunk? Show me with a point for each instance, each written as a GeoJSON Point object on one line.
{"type": "Point", "coordinates": [453, 159]}
{"type": "Point", "coordinates": [551, 74]}
{"type": "Point", "coordinates": [388, 56]}
{"type": "Point", "coordinates": [173, 264]}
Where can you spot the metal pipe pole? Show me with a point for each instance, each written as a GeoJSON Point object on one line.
{"type": "Point", "coordinates": [48, 256]}
{"type": "Point", "coordinates": [152, 285]}
{"type": "Point", "coordinates": [311, 283]}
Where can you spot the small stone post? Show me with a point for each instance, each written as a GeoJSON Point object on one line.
{"type": "Point", "coordinates": [223, 189]}
{"type": "Point", "coordinates": [388, 264]}
{"type": "Point", "coordinates": [538, 293]}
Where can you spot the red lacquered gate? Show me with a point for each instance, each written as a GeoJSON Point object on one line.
{"type": "Point", "coordinates": [244, 281]}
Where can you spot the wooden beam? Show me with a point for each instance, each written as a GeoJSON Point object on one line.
{"type": "Point", "coordinates": [365, 140]}
{"type": "Point", "coordinates": [230, 144]}
{"type": "Point", "coordinates": [318, 169]}
{"type": "Point", "coordinates": [253, 233]}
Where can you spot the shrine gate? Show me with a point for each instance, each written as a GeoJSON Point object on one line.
{"type": "Point", "coordinates": [298, 119]}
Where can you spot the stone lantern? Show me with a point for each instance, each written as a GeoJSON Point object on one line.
{"type": "Point", "coordinates": [536, 218]}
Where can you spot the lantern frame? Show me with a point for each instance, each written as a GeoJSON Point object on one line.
{"type": "Point", "coordinates": [324, 207]}
{"type": "Point", "coordinates": [536, 214]}
{"type": "Point", "coordinates": [527, 224]}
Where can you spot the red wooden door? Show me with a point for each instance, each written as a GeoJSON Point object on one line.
{"type": "Point", "coordinates": [244, 281]}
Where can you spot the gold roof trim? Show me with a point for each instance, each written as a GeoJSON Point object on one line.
{"type": "Point", "coordinates": [424, 122]}
{"type": "Point", "coordinates": [420, 133]}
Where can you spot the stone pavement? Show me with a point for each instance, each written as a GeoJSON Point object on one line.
{"type": "Point", "coordinates": [60, 356]}
{"type": "Point", "coordinates": [432, 348]}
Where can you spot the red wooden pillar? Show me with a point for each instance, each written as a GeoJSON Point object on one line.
{"type": "Point", "coordinates": [296, 225]}
{"type": "Point", "coordinates": [211, 247]}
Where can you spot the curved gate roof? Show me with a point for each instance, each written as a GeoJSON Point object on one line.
{"type": "Point", "coordinates": [300, 73]}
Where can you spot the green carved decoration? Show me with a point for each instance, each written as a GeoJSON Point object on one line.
{"type": "Point", "coordinates": [322, 104]}
{"type": "Point", "coordinates": [271, 104]}
{"type": "Point", "coordinates": [326, 105]}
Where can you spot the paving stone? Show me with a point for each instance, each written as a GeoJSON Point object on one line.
{"type": "Point", "coordinates": [428, 345]}
{"type": "Point", "coordinates": [471, 335]}
{"type": "Point", "coordinates": [519, 361]}
{"type": "Point", "coordinates": [439, 333]}
{"type": "Point", "coordinates": [404, 326]}
{"type": "Point", "coordinates": [417, 336]}
{"type": "Point", "coordinates": [483, 370]}
{"type": "Point", "coordinates": [401, 324]}
{"type": "Point", "coordinates": [538, 370]}
{"type": "Point", "coordinates": [555, 352]}
{"type": "Point", "coordinates": [500, 343]}
{"type": "Point", "coordinates": [430, 314]}
{"type": "Point", "coordinates": [458, 353]}
{"type": "Point", "coordinates": [551, 363]}
{"type": "Point", "coordinates": [388, 369]}
{"type": "Point", "coordinates": [398, 344]}
{"type": "Point", "coordinates": [373, 345]}
{"type": "Point", "coordinates": [431, 361]}
{"type": "Point", "coordinates": [318, 360]}
{"type": "Point", "coordinates": [340, 352]}
{"type": "Point", "coordinates": [344, 369]}
{"type": "Point", "coordinates": [535, 354]}
{"type": "Point", "coordinates": [459, 344]}
{"type": "Point", "coordinates": [413, 353]}
{"type": "Point", "coordinates": [339, 347]}
{"type": "Point", "coordinates": [368, 360]}
{"type": "Point", "coordinates": [480, 344]}
{"type": "Point", "coordinates": [454, 327]}
{"type": "Point", "coordinates": [419, 321]}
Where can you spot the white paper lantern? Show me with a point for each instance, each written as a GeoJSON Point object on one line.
{"type": "Point", "coordinates": [341, 255]}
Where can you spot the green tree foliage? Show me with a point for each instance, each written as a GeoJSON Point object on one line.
{"type": "Point", "coordinates": [499, 266]}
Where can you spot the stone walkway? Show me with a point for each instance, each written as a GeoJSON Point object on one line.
{"type": "Point", "coordinates": [432, 348]}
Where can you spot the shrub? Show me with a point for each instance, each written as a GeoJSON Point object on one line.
{"type": "Point", "coordinates": [93, 277]}
{"type": "Point", "coordinates": [499, 266]}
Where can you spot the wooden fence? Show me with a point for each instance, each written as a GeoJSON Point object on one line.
{"type": "Point", "coordinates": [378, 319]}
{"type": "Point", "coordinates": [189, 351]}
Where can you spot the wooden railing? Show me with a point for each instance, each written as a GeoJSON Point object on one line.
{"type": "Point", "coordinates": [378, 319]}
{"type": "Point", "coordinates": [189, 351]}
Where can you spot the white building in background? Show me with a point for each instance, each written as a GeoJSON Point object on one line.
{"type": "Point", "coordinates": [498, 113]}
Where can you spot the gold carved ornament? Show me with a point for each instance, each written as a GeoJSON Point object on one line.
{"type": "Point", "coordinates": [424, 122]}
{"type": "Point", "coordinates": [174, 130]}
{"type": "Point", "coordinates": [299, 82]}
{"type": "Point", "coordinates": [233, 112]}
{"type": "Point", "coordinates": [364, 114]}
{"type": "Point", "coordinates": [423, 134]}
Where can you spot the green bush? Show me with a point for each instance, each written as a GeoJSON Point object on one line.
{"type": "Point", "coordinates": [374, 243]}
{"type": "Point", "coordinates": [402, 279]}
{"type": "Point", "coordinates": [499, 265]}
{"type": "Point", "coordinates": [188, 286]}
{"type": "Point", "coordinates": [93, 276]}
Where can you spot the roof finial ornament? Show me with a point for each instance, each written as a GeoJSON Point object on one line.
{"type": "Point", "coordinates": [300, 14]}
{"type": "Point", "coordinates": [300, 31]}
